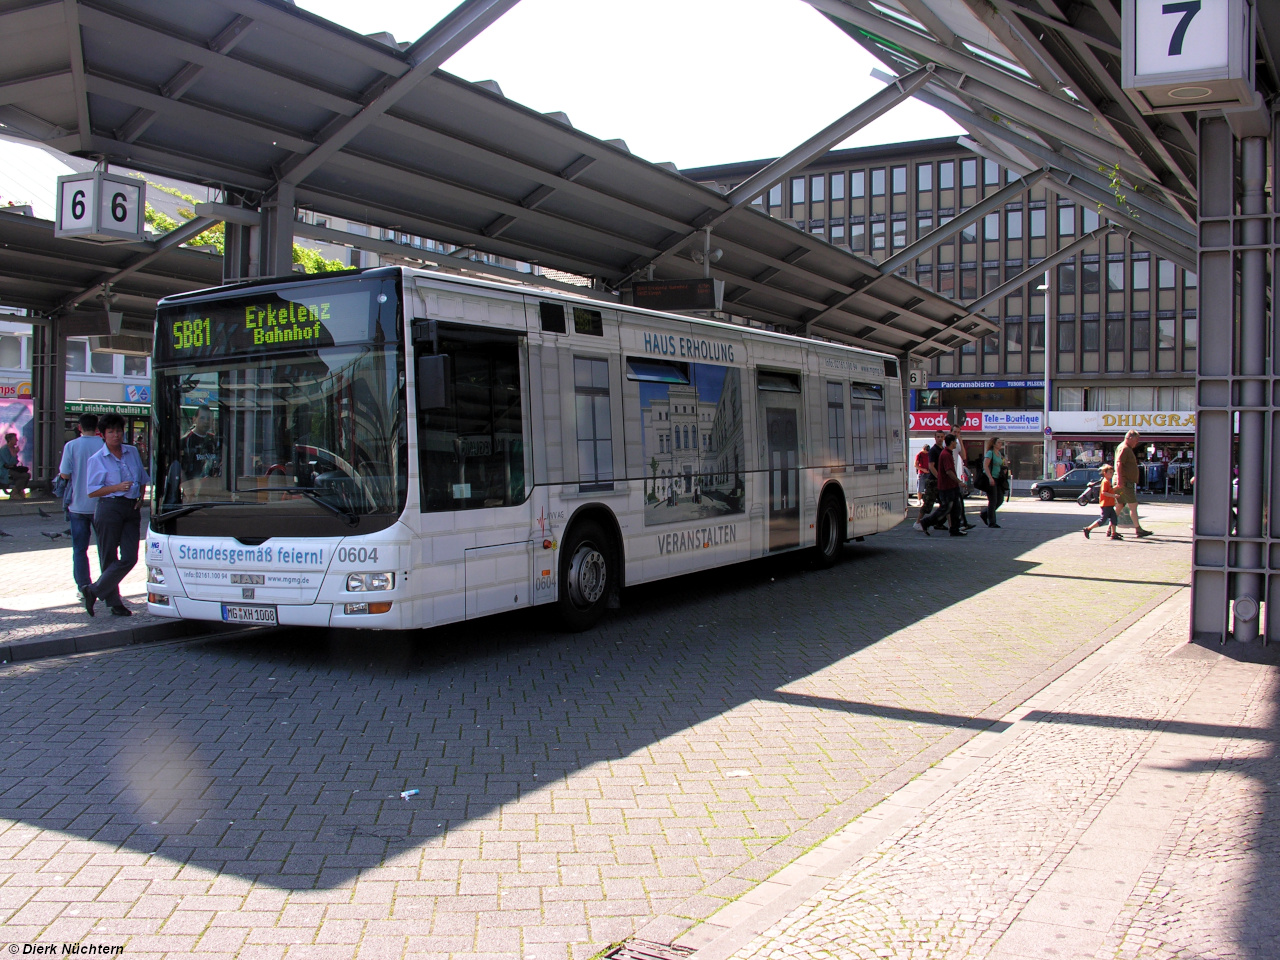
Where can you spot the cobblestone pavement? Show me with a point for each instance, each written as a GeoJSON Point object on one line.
{"type": "Point", "coordinates": [37, 594]}
{"type": "Point", "coordinates": [1135, 817]}
{"type": "Point", "coordinates": [243, 798]}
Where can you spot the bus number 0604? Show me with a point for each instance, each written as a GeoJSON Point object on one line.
{"type": "Point", "coordinates": [357, 554]}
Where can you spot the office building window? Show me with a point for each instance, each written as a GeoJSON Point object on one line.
{"type": "Point", "coordinates": [818, 188]}
{"type": "Point", "coordinates": [991, 226]}
{"type": "Point", "coordinates": [11, 353]}
{"type": "Point", "coordinates": [837, 186]}
{"type": "Point", "coordinates": [1066, 336]}
{"type": "Point", "coordinates": [857, 236]}
{"type": "Point", "coordinates": [1037, 221]}
{"type": "Point", "coordinates": [877, 235]}
{"type": "Point", "coordinates": [1142, 275]}
{"type": "Point", "coordinates": [899, 179]}
{"type": "Point", "coordinates": [990, 172]}
{"type": "Point", "coordinates": [947, 175]}
{"type": "Point", "coordinates": [858, 184]}
{"type": "Point", "coordinates": [1066, 220]}
{"type": "Point", "coordinates": [877, 182]}
{"type": "Point", "coordinates": [797, 190]}
{"type": "Point", "coordinates": [1013, 224]}
{"type": "Point", "coordinates": [968, 173]}
{"type": "Point", "coordinates": [899, 234]}
{"type": "Point", "coordinates": [924, 177]}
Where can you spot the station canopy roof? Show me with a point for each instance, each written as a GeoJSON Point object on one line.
{"type": "Point", "coordinates": [40, 272]}
{"type": "Point", "coordinates": [247, 94]}
{"type": "Point", "coordinates": [1037, 84]}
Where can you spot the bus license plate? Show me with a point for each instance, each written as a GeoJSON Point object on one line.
{"type": "Point", "coordinates": [238, 613]}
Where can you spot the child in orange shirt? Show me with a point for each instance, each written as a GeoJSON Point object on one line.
{"type": "Point", "coordinates": [1107, 501]}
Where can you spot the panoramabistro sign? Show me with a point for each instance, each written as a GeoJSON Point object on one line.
{"type": "Point", "coordinates": [1120, 421]}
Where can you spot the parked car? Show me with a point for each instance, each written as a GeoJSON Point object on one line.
{"type": "Point", "coordinates": [1070, 484]}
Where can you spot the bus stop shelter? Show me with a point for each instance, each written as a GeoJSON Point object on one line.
{"type": "Point", "coordinates": [285, 111]}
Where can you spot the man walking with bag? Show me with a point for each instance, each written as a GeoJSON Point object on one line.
{"type": "Point", "coordinates": [74, 471]}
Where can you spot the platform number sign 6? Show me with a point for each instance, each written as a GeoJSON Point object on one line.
{"type": "Point", "coordinates": [119, 206]}
{"type": "Point", "coordinates": [1188, 9]}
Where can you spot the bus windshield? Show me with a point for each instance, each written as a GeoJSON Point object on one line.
{"type": "Point", "coordinates": [302, 433]}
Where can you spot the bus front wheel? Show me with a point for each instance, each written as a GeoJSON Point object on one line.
{"type": "Point", "coordinates": [588, 576]}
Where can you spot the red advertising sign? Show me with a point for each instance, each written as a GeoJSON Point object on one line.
{"type": "Point", "coordinates": [931, 420]}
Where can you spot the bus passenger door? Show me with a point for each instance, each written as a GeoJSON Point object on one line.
{"type": "Point", "coordinates": [783, 459]}
{"type": "Point", "coordinates": [780, 414]}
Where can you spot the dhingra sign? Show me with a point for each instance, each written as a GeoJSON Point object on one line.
{"type": "Point", "coordinates": [1181, 55]}
{"type": "Point", "coordinates": [1121, 421]}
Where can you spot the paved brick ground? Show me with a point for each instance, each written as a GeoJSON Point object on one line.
{"type": "Point", "coordinates": [1127, 811]}
{"type": "Point", "coordinates": [227, 798]}
{"type": "Point", "coordinates": [37, 594]}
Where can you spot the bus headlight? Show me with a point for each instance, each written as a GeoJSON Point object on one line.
{"type": "Point", "coordinates": [360, 582]}
{"type": "Point", "coordinates": [155, 575]}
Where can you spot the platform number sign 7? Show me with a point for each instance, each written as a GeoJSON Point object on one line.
{"type": "Point", "coordinates": [1188, 9]}
{"type": "Point", "coordinates": [1180, 36]}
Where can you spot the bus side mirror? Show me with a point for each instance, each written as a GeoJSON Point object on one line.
{"type": "Point", "coordinates": [434, 374]}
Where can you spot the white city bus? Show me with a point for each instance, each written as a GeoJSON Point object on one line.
{"type": "Point", "coordinates": [394, 449]}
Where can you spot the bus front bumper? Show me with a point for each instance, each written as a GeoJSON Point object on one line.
{"type": "Point", "coordinates": [287, 615]}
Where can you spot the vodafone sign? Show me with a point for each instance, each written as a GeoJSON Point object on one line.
{"type": "Point", "coordinates": [937, 420]}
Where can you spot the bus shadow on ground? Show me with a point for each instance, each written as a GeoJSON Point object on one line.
{"type": "Point", "coordinates": [281, 758]}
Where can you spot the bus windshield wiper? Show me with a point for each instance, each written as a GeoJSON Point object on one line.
{"type": "Point", "coordinates": [350, 516]}
{"type": "Point", "coordinates": [190, 508]}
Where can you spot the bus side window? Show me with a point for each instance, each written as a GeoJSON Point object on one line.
{"type": "Point", "coordinates": [595, 426]}
{"type": "Point", "coordinates": [869, 424]}
{"type": "Point", "coordinates": [835, 423]}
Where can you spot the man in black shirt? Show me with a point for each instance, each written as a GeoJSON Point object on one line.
{"type": "Point", "coordinates": [200, 447]}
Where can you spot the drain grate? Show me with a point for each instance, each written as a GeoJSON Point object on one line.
{"type": "Point", "coordinates": [648, 950]}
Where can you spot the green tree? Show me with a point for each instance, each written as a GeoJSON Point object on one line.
{"type": "Point", "coordinates": [216, 236]}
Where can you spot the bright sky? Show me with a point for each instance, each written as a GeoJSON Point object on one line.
{"type": "Point", "coordinates": [695, 82]}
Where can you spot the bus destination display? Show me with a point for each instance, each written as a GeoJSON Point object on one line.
{"type": "Point", "coordinates": [262, 324]}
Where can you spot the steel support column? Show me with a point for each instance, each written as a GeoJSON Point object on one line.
{"type": "Point", "coordinates": [276, 235]}
{"type": "Point", "coordinates": [49, 388]}
{"type": "Point", "coordinates": [1233, 580]}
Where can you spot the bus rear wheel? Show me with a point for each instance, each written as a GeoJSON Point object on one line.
{"type": "Point", "coordinates": [588, 576]}
{"type": "Point", "coordinates": [830, 527]}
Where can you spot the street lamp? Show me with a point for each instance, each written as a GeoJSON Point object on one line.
{"type": "Point", "coordinates": [1048, 389]}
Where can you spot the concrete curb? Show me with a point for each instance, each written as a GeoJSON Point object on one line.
{"type": "Point", "coordinates": [39, 648]}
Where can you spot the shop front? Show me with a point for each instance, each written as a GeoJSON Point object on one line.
{"type": "Point", "coordinates": [17, 416]}
{"type": "Point", "coordinates": [1166, 453]}
{"type": "Point", "coordinates": [137, 420]}
{"type": "Point", "coordinates": [1021, 430]}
